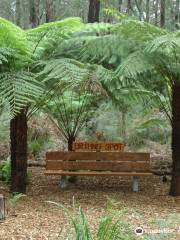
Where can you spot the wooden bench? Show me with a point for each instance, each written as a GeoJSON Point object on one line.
{"type": "Point", "coordinates": [99, 164]}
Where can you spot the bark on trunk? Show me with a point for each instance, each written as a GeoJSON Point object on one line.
{"type": "Point", "coordinates": [147, 10]}
{"type": "Point", "coordinates": [175, 183]}
{"type": "Point", "coordinates": [120, 5]}
{"type": "Point", "coordinates": [70, 143]}
{"type": "Point", "coordinates": [156, 12]}
{"type": "Point", "coordinates": [177, 14]}
{"type": "Point", "coordinates": [18, 137]}
{"type": "Point", "coordinates": [34, 13]}
{"type": "Point", "coordinates": [139, 7]}
{"type": "Point", "coordinates": [94, 9]}
{"type": "Point", "coordinates": [129, 7]}
{"type": "Point", "coordinates": [123, 126]}
{"type": "Point", "coordinates": [162, 14]}
{"type": "Point", "coordinates": [49, 11]}
{"type": "Point", "coordinates": [18, 13]}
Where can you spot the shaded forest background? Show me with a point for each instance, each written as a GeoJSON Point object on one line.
{"type": "Point", "coordinates": [28, 13]}
{"type": "Point", "coordinates": [137, 126]}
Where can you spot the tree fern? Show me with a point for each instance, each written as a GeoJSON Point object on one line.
{"type": "Point", "coordinates": [45, 38]}
{"type": "Point", "coordinates": [19, 89]}
{"type": "Point", "coordinates": [13, 37]}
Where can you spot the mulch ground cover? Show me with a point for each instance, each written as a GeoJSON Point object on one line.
{"type": "Point", "coordinates": [32, 217]}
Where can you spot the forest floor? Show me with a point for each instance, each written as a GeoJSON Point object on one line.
{"type": "Point", "coordinates": [32, 217]}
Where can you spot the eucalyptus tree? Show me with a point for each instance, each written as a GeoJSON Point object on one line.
{"type": "Point", "coordinates": [94, 10]}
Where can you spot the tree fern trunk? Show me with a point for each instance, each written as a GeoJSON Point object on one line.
{"type": "Point", "coordinates": [175, 183]}
{"type": "Point", "coordinates": [70, 143]}
{"type": "Point", "coordinates": [94, 9]}
{"type": "Point", "coordinates": [18, 137]}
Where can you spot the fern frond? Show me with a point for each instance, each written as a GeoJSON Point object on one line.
{"type": "Point", "coordinates": [45, 38]}
{"type": "Point", "coordinates": [5, 54]}
{"type": "Point", "coordinates": [166, 43]}
{"type": "Point", "coordinates": [19, 89]}
{"type": "Point", "coordinates": [136, 63]}
{"type": "Point", "coordinates": [138, 31]}
{"type": "Point", "coordinates": [13, 37]}
{"type": "Point", "coordinates": [63, 71]}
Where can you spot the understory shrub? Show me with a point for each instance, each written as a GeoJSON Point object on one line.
{"type": "Point", "coordinates": [5, 171]}
{"type": "Point", "coordinates": [109, 228]}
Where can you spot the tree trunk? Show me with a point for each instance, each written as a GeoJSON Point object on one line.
{"type": "Point", "coordinates": [140, 10]}
{"type": "Point", "coordinates": [162, 13]}
{"type": "Point", "coordinates": [147, 10]}
{"type": "Point", "coordinates": [18, 137]}
{"type": "Point", "coordinates": [70, 143]}
{"type": "Point", "coordinates": [34, 13]}
{"type": "Point", "coordinates": [49, 11]}
{"type": "Point", "coordinates": [129, 7]}
{"type": "Point", "coordinates": [175, 183]}
{"type": "Point", "coordinates": [123, 119]}
{"type": "Point", "coordinates": [177, 14]}
{"type": "Point", "coordinates": [94, 10]}
{"type": "Point", "coordinates": [156, 12]}
{"type": "Point", "coordinates": [18, 13]}
{"type": "Point", "coordinates": [120, 5]}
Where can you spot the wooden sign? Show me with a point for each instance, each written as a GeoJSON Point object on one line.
{"type": "Point", "coordinates": [98, 147]}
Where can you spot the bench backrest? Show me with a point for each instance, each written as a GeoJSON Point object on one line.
{"type": "Point", "coordinates": [98, 146]}
{"type": "Point", "coordinates": [98, 161]}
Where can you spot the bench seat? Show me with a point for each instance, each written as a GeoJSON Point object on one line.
{"type": "Point", "coordinates": [98, 164]}
{"type": "Point", "coordinates": [95, 173]}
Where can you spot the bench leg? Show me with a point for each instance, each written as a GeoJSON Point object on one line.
{"type": "Point", "coordinates": [135, 184]}
{"type": "Point", "coordinates": [63, 182]}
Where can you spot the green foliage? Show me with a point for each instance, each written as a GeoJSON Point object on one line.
{"type": "Point", "coordinates": [19, 89]}
{"type": "Point", "coordinates": [45, 38]}
{"type": "Point", "coordinates": [5, 55]}
{"type": "Point", "coordinates": [13, 37]}
{"type": "Point", "coordinates": [109, 228]}
{"type": "Point", "coordinates": [70, 108]}
{"type": "Point", "coordinates": [16, 197]}
{"type": "Point", "coordinates": [5, 171]}
{"type": "Point", "coordinates": [35, 147]}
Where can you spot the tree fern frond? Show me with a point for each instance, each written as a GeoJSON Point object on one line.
{"type": "Point", "coordinates": [13, 37]}
{"type": "Point", "coordinates": [96, 29]}
{"type": "Point", "coordinates": [19, 89]}
{"type": "Point", "coordinates": [136, 63]}
{"type": "Point", "coordinates": [45, 38]}
{"type": "Point", "coordinates": [5, 54]}
{"type": "Point", "coordinates": [63, 70]}
{"type": "Point", "coordinates": [167, 43]}
{"type": "Point", "coordinates": [110, 49]}
{"type": "Point", "coordinates": [138, 31]}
